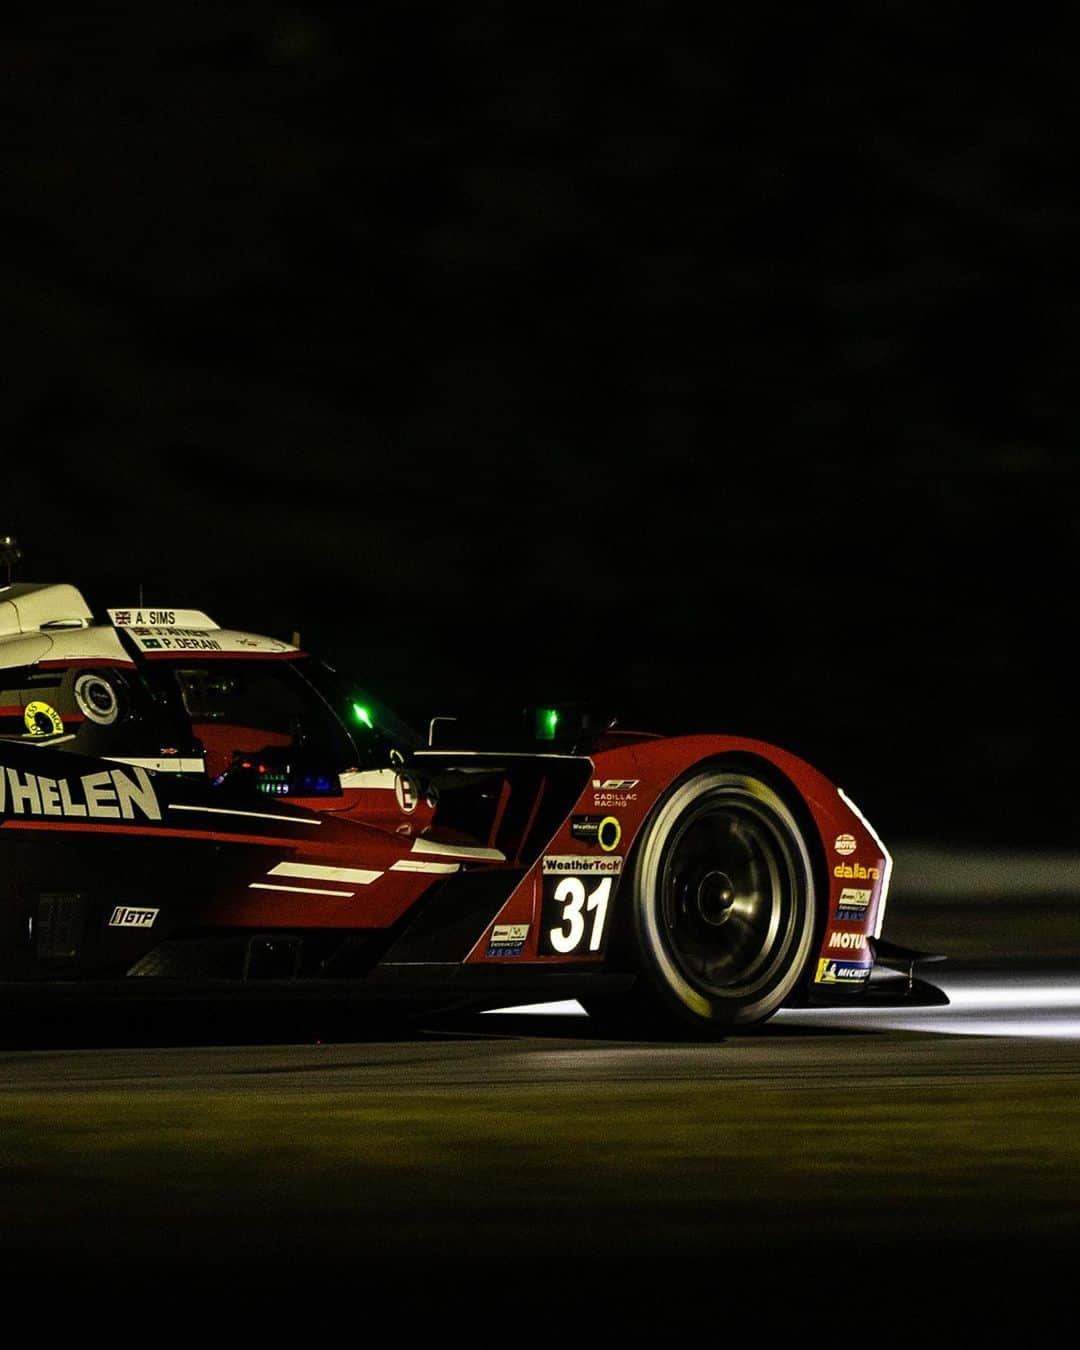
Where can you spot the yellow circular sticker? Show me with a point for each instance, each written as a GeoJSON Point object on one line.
{"type": "Point", "coordinates": [608, 834]}
{"type": "Point", "coordinates": [42, 719]}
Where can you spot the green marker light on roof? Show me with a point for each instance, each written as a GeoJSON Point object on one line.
{"type": "Point", "coordinates": [362, 715]}
{"type": "Point", "coordinates": [547, 723]}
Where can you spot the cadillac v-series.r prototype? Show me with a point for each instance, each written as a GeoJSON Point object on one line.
{"type": "Point", "coordinates": [188, 806]}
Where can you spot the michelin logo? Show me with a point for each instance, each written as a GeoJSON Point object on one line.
{"type": "Point", "coordinates": [842, 972]}
{"type": "Point", "coordinates": [112, 794]}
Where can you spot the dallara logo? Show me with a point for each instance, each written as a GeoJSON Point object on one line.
{"type": "Point", "coordinates": [111, 794]}
{"type": "Point", "coordinates": [856, 870]}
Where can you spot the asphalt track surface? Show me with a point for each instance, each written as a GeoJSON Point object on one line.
{"type": "Point", "coordinates": [527, 1181]}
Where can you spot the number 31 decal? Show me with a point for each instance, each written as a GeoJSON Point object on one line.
{"type": "Point", "coordinates": [576, 906]}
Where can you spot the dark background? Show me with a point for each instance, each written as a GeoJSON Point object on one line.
{"type": "Point", "coordinates": [720, 371]}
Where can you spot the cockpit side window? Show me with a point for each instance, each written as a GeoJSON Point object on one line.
{"type": "Point", "coordinates": [101, 711]}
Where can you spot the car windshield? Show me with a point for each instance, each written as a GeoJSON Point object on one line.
{"type": "Point", "coordinates": [374, 727]}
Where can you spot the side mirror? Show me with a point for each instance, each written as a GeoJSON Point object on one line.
{"type": "Point", "coordinates": [440, 734]}
{"type": "Point", "coordinates": [554, 728]}
{"type": "Point", "coordinates": [566, 726]}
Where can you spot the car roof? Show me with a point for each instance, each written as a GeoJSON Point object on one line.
{"type": "Point", "coordinates": [46, 625]}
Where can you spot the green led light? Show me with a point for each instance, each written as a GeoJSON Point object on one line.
{"type": "Point", "coordinates": [362, 715]}
{"type": "Point", "coordinates": [547, 723]}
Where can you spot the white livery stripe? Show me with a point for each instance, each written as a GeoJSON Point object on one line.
{"type": "Point", "coordinates": [296, 890]}
{"type": "Point", "coordinates": [417, 865]}
{"type": "Point", "coordinates": [458, 851]}
{"type": "Point", "coordinates": [161, 765]}
{"type": "Point", "coordinates": [250, 815]}
{"type": "Point", "coordinates": [364, 875]}
{"type": "Point", "coordinates": [369, 778]}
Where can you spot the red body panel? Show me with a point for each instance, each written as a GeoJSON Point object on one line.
{"type": "Point", "coordinates": [649, 767]}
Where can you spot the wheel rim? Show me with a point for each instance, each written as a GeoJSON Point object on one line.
{"type": "Point", "coordinates": [726, 898]}
{"type": "Point", "coordinates": [727, 895]}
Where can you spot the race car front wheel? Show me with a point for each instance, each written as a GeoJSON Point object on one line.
{"type": "Point", "coordinates": [723, 904]}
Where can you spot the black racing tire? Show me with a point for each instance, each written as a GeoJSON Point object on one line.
{"type": "Point", "coordinates": [723, 906]}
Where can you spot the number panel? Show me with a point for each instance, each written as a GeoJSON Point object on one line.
{"type": "Point", "coordinates": [576, 904]}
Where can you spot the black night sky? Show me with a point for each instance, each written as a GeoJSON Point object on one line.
{"type": "Point", "coordinates": [719, 372]}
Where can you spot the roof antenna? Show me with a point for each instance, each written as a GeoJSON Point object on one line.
{"type": "Point", "coordinates": [140, 595]}
{"type": "Point", "coordinates": [10, 554]}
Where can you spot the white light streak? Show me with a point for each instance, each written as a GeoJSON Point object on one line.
{"type": "Point", "coordinates": [1042, 1007]}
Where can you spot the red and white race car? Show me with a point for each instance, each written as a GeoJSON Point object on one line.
{"type": "Point", "coordinates": [194, 807]}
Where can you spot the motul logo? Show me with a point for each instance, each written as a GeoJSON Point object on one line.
{"type": "Point", "coordinates": [852, 941]}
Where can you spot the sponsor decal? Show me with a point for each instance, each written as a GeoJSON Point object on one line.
{"type": "Point", "coordinates": [857, 942]}
{"type": "Point", "coordinates": [507, 939]}
{"type": "Point", "coordinates": [407, 792]}
{"type": "Point", "coordinates": [842, 972]}
{"type": "Point", "coordinates": [603, 830]}
{"type": "Point", "coordinates": [112, 794]}
{"type": "Point", "coordinates": [609, 792]}
{"type": "Point", "coordinates": [845, 844]}
{"type": "Point", "coordinates": [562, 863]}
{"type": "Point", "coordinates": [42, 719]}
{"type": "Point", "coordinates": [856, 871]}
{"type": "Point", "coordinates": [127, 916]}
{"type": "Point", "coordinates": [853, 903]}
{"type": "Point", "coordinates": [574, 907]}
